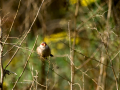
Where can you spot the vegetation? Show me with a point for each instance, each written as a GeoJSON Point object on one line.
{"type": "Point", "coordinates": [83, 36]}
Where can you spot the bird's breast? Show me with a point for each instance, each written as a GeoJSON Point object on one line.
{"type": "Point", "coordinates": [44, 52]}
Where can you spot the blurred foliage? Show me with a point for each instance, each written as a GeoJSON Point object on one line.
{"type": "Point", "coordinates": [87, 2]}
{"type": "Point", "coordinates": [51, 26]}
{"type": "Point", "coordinates": [83, 2]}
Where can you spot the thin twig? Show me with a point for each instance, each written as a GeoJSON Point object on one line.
{"type": "Point", "coordinates": [85, 73]}
{"type": "Point", "coordinates": [25, 35]}
{"type": "Point", "coordinates": [108, 18]}
{"type": "Point", "coordinates": [77, 51]}
{"type": "Point", "coordinates": [25, 64]}
{"type": "Point", "coordinates": [13, 22]}
{"type": "Point", "coordinates": [1, 63]}
{"type": "Point", "coordinates": [71, 65]}
{"type": "Point", "coordinates": [73, 46]}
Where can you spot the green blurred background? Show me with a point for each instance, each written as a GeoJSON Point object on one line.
{"type": "Point", "coordinates": [94, 29]}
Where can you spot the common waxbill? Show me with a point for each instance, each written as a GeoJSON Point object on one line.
{"type": "Point", "coordinates": [43, 50]}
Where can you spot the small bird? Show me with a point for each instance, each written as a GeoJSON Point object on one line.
{"type": "Point", "coordinates": [43, 50]}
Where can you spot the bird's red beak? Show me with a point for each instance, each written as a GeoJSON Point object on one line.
{"type": "Point", "coordinates": [44, 45]}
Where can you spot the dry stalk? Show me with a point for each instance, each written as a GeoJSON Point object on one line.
{"type": "Point", "coordinates": [12, 22]}
{"type": "Point", "coordinates": [108, 27]}
{"type": "Point", "coordinates": [25, 64]}
{"type": "Point", "coordinates": [25, 35]}
{"type": "Point", "coordinates": [1, 63]}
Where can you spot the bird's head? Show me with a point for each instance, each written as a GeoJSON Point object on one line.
{"type": "Point", "coordinates": [43, 44]}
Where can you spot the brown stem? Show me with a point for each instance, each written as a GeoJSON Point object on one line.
{"type": "Point", "coordinates": [1, 48]}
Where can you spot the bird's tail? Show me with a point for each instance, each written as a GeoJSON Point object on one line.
{"type": "Point", "coordinates": [51, 55]}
